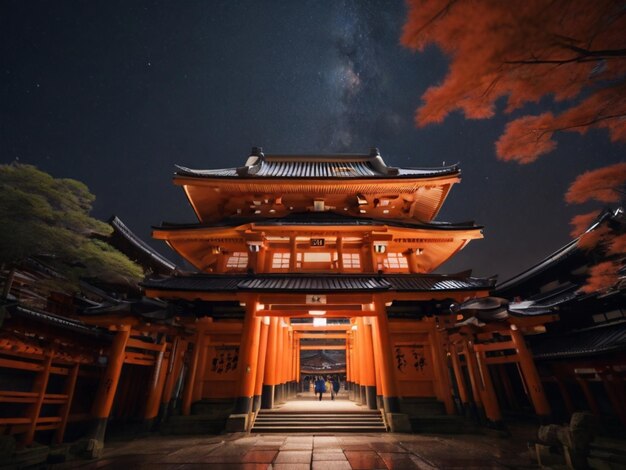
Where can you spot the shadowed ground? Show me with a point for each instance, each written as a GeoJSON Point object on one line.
{"type": "Point", "coordinates": [295, 452]}
{"type": "Point", "coordinates": [313, 451]}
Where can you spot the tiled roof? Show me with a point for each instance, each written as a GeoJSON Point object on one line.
{"type": "Point", "coordinates": [317, 283]}
{"type": "Point", "coordinates": [595, 340]}
{"type": "Point", "coordinates": [325, 218]}
{"type": "Point", "coordinates": [38, 316]}
{"type": "Point", "coordinates": [557, 257]}
{"type": "Point", "coordinates": [318, 166]}
{"type": "Point", "coordinates": [135, 248]}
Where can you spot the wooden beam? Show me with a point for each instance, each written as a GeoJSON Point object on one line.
{"type": "Point", "coordinates": [321, 336]}
{"type": "Point", "coordinates": [309, 327]}
{"type": "Point", "coordinates": [305, 313]}
{"type": "Point", "coordinates": [321, 347]}
{"type": "Point", "coordinates": [499, 346]}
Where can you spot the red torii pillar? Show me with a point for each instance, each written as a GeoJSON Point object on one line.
{"type": "Point", "coordinates": [260, 373]}
{"type": "Point", "coordinates": [105, 395]}
{"type": "Point", "coordinates": [531, 376]}
{"type": "Point", "coordinates": [269, 378]}
{"type": "Point", "coordinates": [381, 328]}
{"type": "Point", "coordinates": [248, 357]}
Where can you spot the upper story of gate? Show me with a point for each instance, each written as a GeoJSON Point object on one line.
{"type": "Point", "coordinates": [355, 185]}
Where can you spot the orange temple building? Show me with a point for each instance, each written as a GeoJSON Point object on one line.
{"type": "Point", "coordinates": [287, 239]}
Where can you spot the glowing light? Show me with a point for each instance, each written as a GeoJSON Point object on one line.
{"type": "Point", "coordinates": [317, 312]}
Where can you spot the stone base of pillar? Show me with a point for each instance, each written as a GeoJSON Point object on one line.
{"type": "Point", "coordinates": [370, 395]}
{"type": "Point", "coordinates": [398, 422]}
{"type": "Point", "coordinates": [256, 403]}
{"type": "Point", "coordinates": [267, 397]}
{"type": "Point", "coordinates": [243, 405]}
{"type": "Point", "coordinates": [92, 446]}
{"type": "Point", "coordinates": [362, 395]}
{"type": "Point", "coordinates": [380, 404]}
{"type": "Point", "coordinates": [391, 404]}
{"type": "Point", "coordinates": [238, 422]}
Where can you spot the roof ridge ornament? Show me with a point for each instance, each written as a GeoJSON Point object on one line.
{"type": "Point", "coordinates": [253, 163]}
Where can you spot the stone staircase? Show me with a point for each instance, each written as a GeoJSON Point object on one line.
{"type": "Point", "coordinates": [276, 421]}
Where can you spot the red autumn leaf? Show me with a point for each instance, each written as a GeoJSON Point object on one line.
{"type": "Point", "coordinates": [569, 50]}
{"type": "Point", "coordinates": [592, 239]}
{"type": "Point", "coordinates": [617, 245]}
{"type": "Point", "coordinates": [603, 185]}
{"type": "Point", "coordinates": [582, 222]}
{"type": "Point", "coordinates": [602, 276]}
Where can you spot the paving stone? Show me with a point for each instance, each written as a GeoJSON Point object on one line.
{"type": "Point", "coordinates": [290, 447]}
{"type": "Point", "coordinates": [260, 456]}
{"type": "Point", "coordinates": [365, 460]}
{"type": "Point", "coordinates": [398, 461]}
{"type": "Point", "coordinates": [328, 455]}
{"type": "Point", "coordinates": [356, 447]}
{"type": "Point", "coordinates": [331, 465]}
{"type": "Point", "coordinates": [293, 456]}
{"type": "Point", "coordinates": [387, 447]}
{"type": "Point", "coordinates": [291, 466]}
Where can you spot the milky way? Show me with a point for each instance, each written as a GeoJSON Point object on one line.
{"type": "Point", "coordinates": [115, 93]}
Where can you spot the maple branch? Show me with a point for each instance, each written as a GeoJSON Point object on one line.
{"type": "Point", "coordinates": [439, 14]}
{"type": "Point", "coordinates": [585, 124]}
{"type": "Point", "coordinates": [600, 54]}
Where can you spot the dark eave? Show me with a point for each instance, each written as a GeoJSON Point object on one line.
{"type": "Point", "coordinates": [600, 339]}
{"type": "Point", "coordinates": [323, 219]}
{"type": "Point", "coordinates": [335, 166]}
{"type": "Point", "coordinates": [318, 283]}
{"type": "Point", "coordinates": [37, 316]}
{"type": "Point", "coordinates": [136, 249]}
{"type": "Point", "coordinates": [554, 259]}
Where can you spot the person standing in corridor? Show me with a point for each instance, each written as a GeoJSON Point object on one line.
{"type": "Point", "coordinates": [320, 386]}
{"type": "Point", "coordinates": [335, 387]}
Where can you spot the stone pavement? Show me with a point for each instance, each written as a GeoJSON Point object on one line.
{"type": "Point", "coordinates": [317, 452]}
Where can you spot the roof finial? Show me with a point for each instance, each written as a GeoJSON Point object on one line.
{"type": "Point", "coordinates": [374, 152]}
{"type": "Point", "coordinates": [257, 152]}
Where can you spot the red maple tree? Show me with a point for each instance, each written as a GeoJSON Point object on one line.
{"type": "Point", "coordinates": [572, 52]}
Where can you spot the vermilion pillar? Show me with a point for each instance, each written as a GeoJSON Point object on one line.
{"type": "Point", "coordinates": [362, 361]}
{"type": "Point", "coordinates": [390, 396]}
{"type": "Point", "coordinates": [472, 371]}
{"type": "Point", "coordinates": [193, 368]}
{"type": "Point", "coordinates": [458, 375]}
{"type": "Point", "coordinates": [106, 389]}
{"type": "Point", "coordinates": [156, 384]}
{"type": "Point", "coordinates": [174, 368]}
{"type": "Point", "coordinates": [258, 387]}
{"type": "Point", "coordinates": [489, 397]}
{"type": "Point", "coordinates": [280, 361]}
{"type": "Point", "coordinates": [269, 378]}
{"type": "Point", "coordinates": [377, 365]}
{"type": "Point", "coordinates": [356, 361]}
{"type": "Point", "coordinates": [39, 387]}
{"type": "Point", "coordinates": [248, 356]}
{"type": "Point", "coordinates": [369, 373]}
{"type": "Point", "coordinates": [441, 370]}
{"type": "Point", "coordinates": [531, 376]}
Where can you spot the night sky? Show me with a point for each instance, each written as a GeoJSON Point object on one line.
{"type": "Point", "coordinates": [114, 93]}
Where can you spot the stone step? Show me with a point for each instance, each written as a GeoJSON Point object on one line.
{"type": "Point", "coordinates": [290, 422]}
{"type": "Point", "coordinates": [316, 416]}
{"type": "Point", "coordinates": [317, 423]}
{"type": "Point", "coordinates": [317, 429]}
{"type": "Point", "coordinates": [321, 413]}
